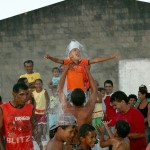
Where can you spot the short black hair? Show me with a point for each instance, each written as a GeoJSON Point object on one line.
{"type": "Point", "coordinates": [132, 96]}
{"type": "Point", "coordinates": [84, 129]}
{"type": "Point", "coordinates": [28, 62]}
{"type": "Point", "coordinates": [55, 68]}
{"type": "Point", "coordinates": [21, 80]}
{"type": "Point", "coordinates": [19, 86]}
{"type": "Point", "coordinates": [39, 80]}
{"type": "Point", "coordinates": [123, 128]}
{"type": "Point", "coordinates": [108, 82]}
{"type": "Point", "coordinates": [78, 97]}
{"type": "Point", "coordinates": [119, 96]}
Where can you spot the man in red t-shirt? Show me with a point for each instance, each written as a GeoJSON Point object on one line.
{"type": "Point", "coordinates": [17, 122]}
{"type": "Point", "coordinates": [133, 116]}
{"type": "Point", "coordinates": [110, 113]}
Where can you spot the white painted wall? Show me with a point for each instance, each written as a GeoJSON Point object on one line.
{"type": "Point", "coordinates": [133, 73]}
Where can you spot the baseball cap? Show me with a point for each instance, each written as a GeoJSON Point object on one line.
{"type": "Point", "coordinates": [64, 120]}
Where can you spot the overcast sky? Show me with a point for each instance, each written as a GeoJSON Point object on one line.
{"type": "Point", "coordinates": [9, 8]}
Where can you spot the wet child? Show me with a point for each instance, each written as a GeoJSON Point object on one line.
{"type": "Point", "coordinates": [119, 140]}
{"type": "Point", "coordinates": [132, 100]}
{"type": "Point", "coordinates": [63, 132]}
{"type": "Point", "coordinates": [87, 137]}
{"type": "Point", "coordinates": [77, 76]}
{"type": "Point", "coordinates": [42, 101]}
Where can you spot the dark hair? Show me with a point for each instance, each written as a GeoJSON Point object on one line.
{"type": "Point", "coordinates": [19, 86]}
{"type": "Point", "coordinates": [28, 62]}
{"type": "Point", "coordinates": [0, 99]}
{"type": "Point", "coordinates": [21, 80]}
{"type": "Point", "coordinates": [123, 128]}
{"type": "Point", "coordinates": [55, 68]}
{"type": "Point", "coordinates": [101, 89]}
{"type": "Point", "coordinates": [119, 96]}
{"type": "Point", "coordinates": [108, 82]}
{"type": "Point", "coordinates": [52, 132]}
{"type": "Point", "coordinates": [84, 129]}
{"type": "Point", "coordinates": [39, 80]}
{"type": "Point", "coordinates": [132, 96]}
{"type": "Point", "coordinates": [78, 97]}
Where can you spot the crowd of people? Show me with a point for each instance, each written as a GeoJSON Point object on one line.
{"type": "Point", "coordinates": [77, 114]}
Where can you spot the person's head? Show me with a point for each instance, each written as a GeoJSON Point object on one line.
{"type": "Point", "coordinates": [29, 66]}
{"type": "Point", "coordinates": [108, 86]}
{"type": "Point", "coordinates": [1, 100]}
{"type": "Point", "coordinates": [56, 72]}
{"type": "Point", "coordinates": [132, 99]}
{"type": "Point", "coordinates": [64, 127]}
{"type": "Point", "coordinates": [119, 101]}
{"type": "Point", "coordinates": [87, 135]}
{"type": "Point", "coordinates": [78, 97]}
{"type": "Point", "coordinates": [101, 91]}
{"type": "Point", "coordinates": [38, 84]}
{"type": "Point", "coordinates": [73, 50]}
{"type": "Point", "coordinates": [122, 128]}
{"type": "Point", "coordinates": [23, 80]}
{"type": "Point", "coordinates": [142, 93]}
{"type": "Point", "coordinates": [20, 94]}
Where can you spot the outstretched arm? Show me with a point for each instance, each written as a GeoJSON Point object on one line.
{"type": "Point", "coordinates": [56, 60]}
{"type": "Point", "coordinates": [105, 123]}
{"type": "Point", "coordinates": [100, 59]}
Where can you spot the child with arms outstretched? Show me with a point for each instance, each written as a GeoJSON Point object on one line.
{"type": "Point", "coordinates": [77, 76]}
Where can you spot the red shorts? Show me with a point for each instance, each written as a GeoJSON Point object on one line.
{"type": "Point", "coordinates": [42, 119]}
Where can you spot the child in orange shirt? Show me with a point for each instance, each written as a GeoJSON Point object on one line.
{"type": "Point", "coordinates": [77, 76]}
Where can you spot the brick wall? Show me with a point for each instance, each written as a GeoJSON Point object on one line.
{"type": "Point", "coordinates": [102, 26]}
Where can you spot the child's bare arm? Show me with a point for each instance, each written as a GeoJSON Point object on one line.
{"type": "Point", "coordinates": [56, 60]}
{"type": "Point", "coordinates": [100, 59]}
{"type": "Point", "coordinates": [105, 123]}
{"type": "Point", "coordinates": [103, 142]}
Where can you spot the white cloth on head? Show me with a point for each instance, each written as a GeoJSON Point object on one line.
{"type": "Point", "coordinates": [72, 45]}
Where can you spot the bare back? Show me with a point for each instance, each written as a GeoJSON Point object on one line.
{"type": "Point", "coordinates": [123, 144]}
{"type": "Point", "coordinates": [54, 145]}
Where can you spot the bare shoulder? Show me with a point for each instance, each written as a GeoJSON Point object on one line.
{"type": "Point", "coordinates": [122, 145]}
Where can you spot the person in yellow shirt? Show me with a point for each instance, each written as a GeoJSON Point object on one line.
{"type": "Point", "coordinates": [30, 75]}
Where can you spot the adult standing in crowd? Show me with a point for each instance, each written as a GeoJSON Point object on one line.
{"type": "Point", "coordinates": [133, 116]}
{"type": "Point", "coordinates": [17, 122]}
{"type": "Point", "coordinates": [110, 113]}
{"type": "Point", "coordinates": [30, 74]}
{"type": "Point", "coordinates": [144, 107]}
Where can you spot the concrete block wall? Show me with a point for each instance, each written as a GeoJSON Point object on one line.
{"type": "Point", "coordinates": [101, 26]}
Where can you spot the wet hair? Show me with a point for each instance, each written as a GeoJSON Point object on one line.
{"type": "Point", "coordinates": [132, 96]}
{"type": "Point", "coordinates": [21, 80]}
{"type": "Point", "coordinates": [108, 82]}
{"type": "Point", "coordinates": [84, 129]}
{"type": "Point", "coordinates": [39, 80]}
{"type": "Point", "coordinates": [55, 68]}
{"type": "Point", "coordinates": [101, 89]}
{"type": "Point", "coordinates": [78, 97]}
{"type": "Point", "coordinates": [28, 62]}
{"type": "Point", "coordinates": [123, 128]}
{"type": "Point", "coordinates": [119, 96]}
{"type": "Point", "coordinates": [19, 86]}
